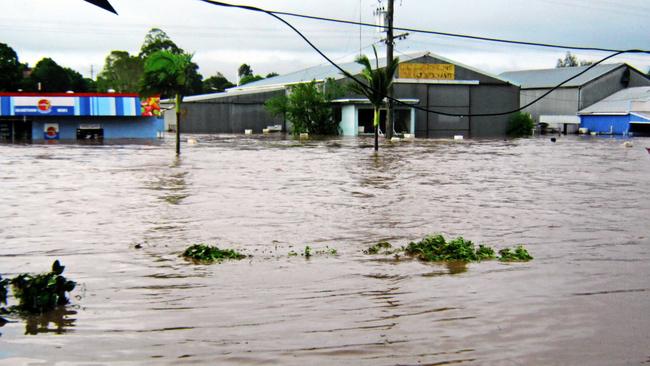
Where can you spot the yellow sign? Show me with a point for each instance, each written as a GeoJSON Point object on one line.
{"type": "Point", "coordinates": [427, 71]}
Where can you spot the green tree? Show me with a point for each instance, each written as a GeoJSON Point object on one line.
{"type": "Point", "coordinates": [48, 76]}
{"type": "Point", "coordinates": [122, 72]}
{"type": "Point", "coordinates": [157, 40]}
{"type": "Point", "coordinates": [376, 86]}
{"type": "Point", "coordinates": [76, 81]}
{"type": "Point", "coordinates": [249, 79]}
{"type": "Point", "coordinates": [216, 83]}
{"type": "Point", "coordinates": [166, 73]}
{"type": "Point", "coordinates": [11, 71]}
{"type": "Point", "coordinates": [244, 70]}
{"type": "Point", "coordinates": [308, 107]}
{"type": "Point", "coordinates": [571, 60]}
{"type": "Point", "coordinates": [271, 74]}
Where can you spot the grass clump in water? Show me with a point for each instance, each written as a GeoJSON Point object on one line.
{"type": "Point", "coordinates": [208, 254]}
{"type": "Point", "coordinates": [434, 248]}
{"type": "Point", "coordinates": [41, 293]}
{"type": "Point", "coordinates": [519, 254]}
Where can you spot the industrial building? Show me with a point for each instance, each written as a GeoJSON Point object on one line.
{"type": "Point", "coordinates": [424, 79]}
{"type": "Point", "coordinates": [626, 112]}
{"type": "Point", "coordinates": [31, 117]}
{"type": "Point", "coordinates": [560, 108]}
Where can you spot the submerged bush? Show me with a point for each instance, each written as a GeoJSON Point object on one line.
{"type": "Point", "coordinates": [207, 253]}
{"type": "Point", "coordinates": [43, 292]}
{"type": "Point", "coordinates": [520, 124]}
{"type": "Point", "coordinates": [519, 254]}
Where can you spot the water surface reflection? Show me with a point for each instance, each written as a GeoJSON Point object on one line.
{"type": "Point", "coordinates": [118, 216]}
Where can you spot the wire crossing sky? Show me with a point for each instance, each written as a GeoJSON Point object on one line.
{"type": "Point", "coordinates": [221, 39]}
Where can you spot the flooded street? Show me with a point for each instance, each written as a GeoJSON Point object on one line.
{"type": "Point", "coordinates": [580, 206]}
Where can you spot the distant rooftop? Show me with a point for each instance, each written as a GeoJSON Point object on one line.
{"type": "Point", "coordinates": [630, 100]}
{"type": "Point", "coordinates": [548, 78]}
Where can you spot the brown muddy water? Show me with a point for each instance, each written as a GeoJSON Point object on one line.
{"type": "Point", "coordinates": [581, 206]}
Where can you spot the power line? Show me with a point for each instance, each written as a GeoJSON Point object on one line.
{"type": "Point", "coordinates": [347, 74]}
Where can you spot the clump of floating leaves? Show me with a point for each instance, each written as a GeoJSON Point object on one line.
{"type": "Point", "coordinates": [435, 248]}
{"type": "Point", "coordinates": [42, 292]}
{"type": "Point", "coordinates": [209, 254]}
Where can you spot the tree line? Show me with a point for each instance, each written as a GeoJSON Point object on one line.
{"type": "Point", "coordinates": [122, 72]}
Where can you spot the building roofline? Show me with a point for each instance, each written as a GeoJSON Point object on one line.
{"type": "Point", "coordinates": [36, 94]}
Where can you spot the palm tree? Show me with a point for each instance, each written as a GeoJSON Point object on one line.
{"type": "Point", "coordinates": [376, 86]}
{"type": "Point", "coordinates": [166, 73]}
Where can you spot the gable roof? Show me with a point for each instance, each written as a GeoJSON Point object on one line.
{"type": "Point", "coordinates": [625, 101]}
{"type": "Point", "coordinates": [549, 78]}
{"type": "Point", "coordinates": [325, 71]}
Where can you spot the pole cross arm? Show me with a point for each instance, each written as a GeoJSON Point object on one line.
{"type": "Point", "coordinates": [104, 4]}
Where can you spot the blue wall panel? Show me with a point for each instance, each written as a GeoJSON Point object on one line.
{"type": "Point", "coordinates": [617, 125]}
{"type": "Point", "coordinates": [120, 128]}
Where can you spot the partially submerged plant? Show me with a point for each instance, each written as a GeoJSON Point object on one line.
{"type": "Point", "coordinates": [3, 290]}
{"type": "Point", "coordinates": [43, 292]}
{"type": "Point", "coordinates": [209, 254]}
{"type": "Point", "coordinates": [307, 252]}
{"type": "Point", "coordinates": [519, 254]}
{"type": "Point", "coordinates": [435, 248]}
{"type": "Point", "coordinates": [376, 248]}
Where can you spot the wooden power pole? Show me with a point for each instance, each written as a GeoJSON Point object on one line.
{"type": "Point", "coordinates": [389, 60]}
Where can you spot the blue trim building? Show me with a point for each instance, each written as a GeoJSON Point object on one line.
{"type": "Point", "coordinates": [626, 112]}
{"type": "Point", "coordinates": [71, 117]}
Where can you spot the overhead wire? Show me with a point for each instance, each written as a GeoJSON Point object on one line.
{"type": "Point", "coordinates": [275, 14]}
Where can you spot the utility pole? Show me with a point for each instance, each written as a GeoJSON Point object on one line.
{"type": "Point", "coordinates": [389, 60]}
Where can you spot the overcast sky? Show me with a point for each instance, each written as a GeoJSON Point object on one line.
{"type": "Point", "coordinates": [78, 35]}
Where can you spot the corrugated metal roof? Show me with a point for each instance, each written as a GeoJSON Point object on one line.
{"type": "Point", "coordinates": [229, 93]}
{"type": "Point", "coordinates": [325, 71]}
{"type": "Point", "coordinates": [622, 102]}
{"type": "Point", "coordinates": [548, 78]}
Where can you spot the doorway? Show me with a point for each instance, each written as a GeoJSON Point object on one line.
{"type": "Point", "coordinates": [90, 134]}
{"type": "Point", "coordinates": [15, 131]}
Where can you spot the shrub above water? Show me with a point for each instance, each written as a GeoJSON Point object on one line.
{"type": "Point", "coordinates": [520, 124]}
{"type": "Point", "coordinates": [207, 253]}
{"type": "Point", "coordinates": [519, 254]}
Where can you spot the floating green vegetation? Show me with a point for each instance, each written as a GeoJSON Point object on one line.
{"type": "Point", "coordinates": [519, 254]}
{"type": "Point", "coordinates": [43, 292]}
{"type": "Point", "coordinates": [377, 248]}
{"type": "Point", "coordinates": [3, 290]}
{"type": "Point", "coordinates": [309, 252]}
{"type": "Point", "coordinates": [435, 248]}
{"type": "Point", "coordinates": [208, 254]}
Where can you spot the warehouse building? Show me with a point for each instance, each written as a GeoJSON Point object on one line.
{"type": "Point", "coordinates": [424, 79]}
{"type": "Point", "coordinates": [31, 117]}
{"type": "Point", "coordinates": [626, 112]}
{"type": "Point", "coordinates": [560, 108]}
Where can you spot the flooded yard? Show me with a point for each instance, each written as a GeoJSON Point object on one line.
{"type": "Point", "coordinates": [118, 217]}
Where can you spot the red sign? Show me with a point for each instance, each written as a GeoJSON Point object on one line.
{"type": "Point", "coordinates": [44, 105]}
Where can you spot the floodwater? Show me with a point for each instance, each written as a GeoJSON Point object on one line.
{"type": "Point", "coordinates": [580, 205]}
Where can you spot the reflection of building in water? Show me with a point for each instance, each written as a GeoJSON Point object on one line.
{"type": "Point", "coordinates": [26, 117]}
